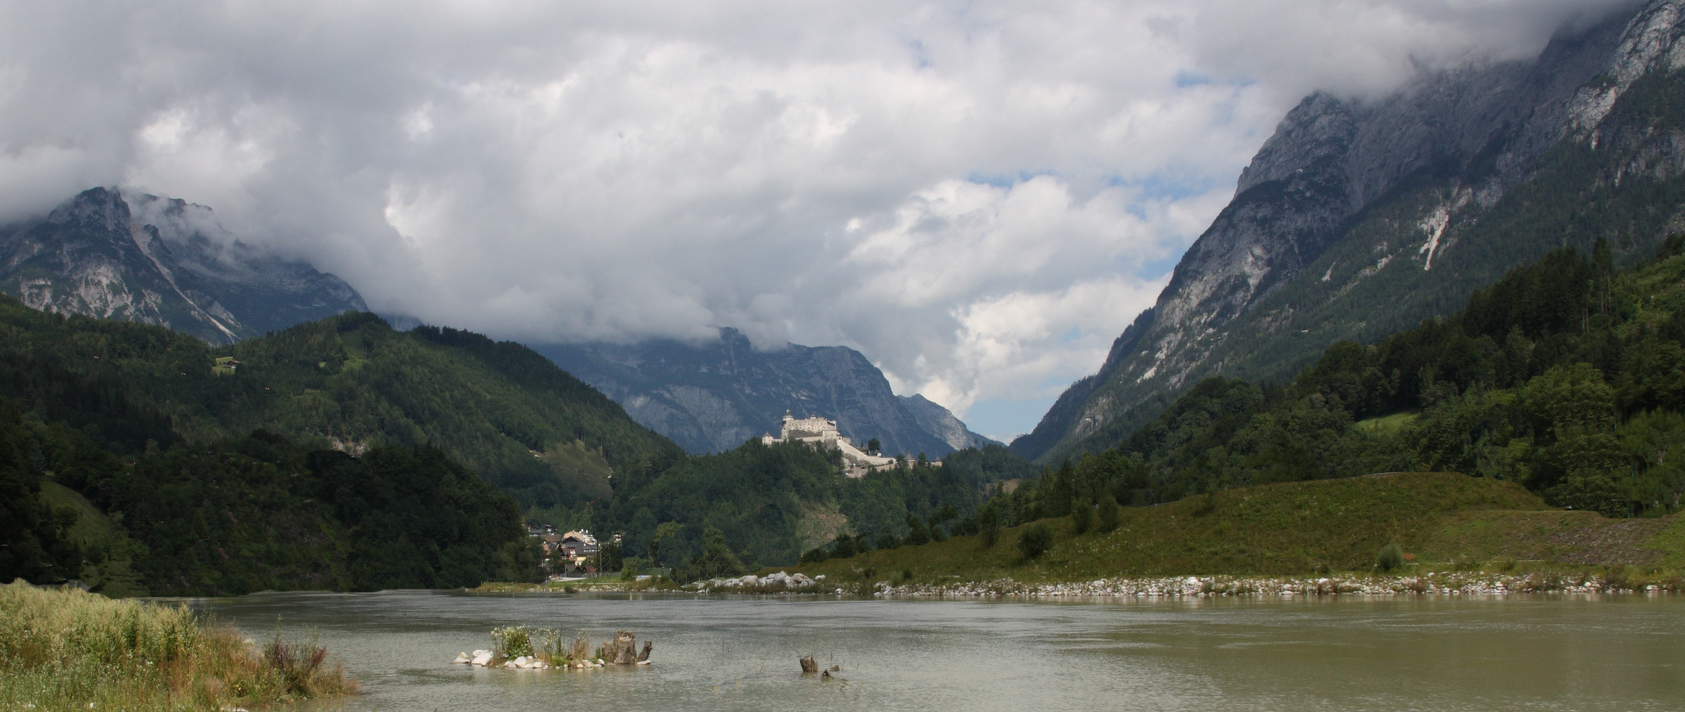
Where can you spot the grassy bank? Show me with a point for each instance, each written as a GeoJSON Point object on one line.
{"type": "Point", "coordinates": [68, 649]}
{"type": "Point", "coordinates": [1438, 520]}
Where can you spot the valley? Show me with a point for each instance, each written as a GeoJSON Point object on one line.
{"type": "Point", "coordinates": [1479, 273]}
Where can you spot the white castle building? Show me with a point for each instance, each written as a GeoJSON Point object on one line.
{"type": "Point", "coordinates": [822, 433]}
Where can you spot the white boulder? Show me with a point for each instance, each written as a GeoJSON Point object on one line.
{"type": "Point", "coordinates": [462, 659]}
{"type": "Point", "coordinates": [481, 657]}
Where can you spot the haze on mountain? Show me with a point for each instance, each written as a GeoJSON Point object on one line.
{"type": "Point", "coordinates": [711, 396]}
{"type": "Point", "coordinates": [1361, 217]}
{"type": "Point", "coordinates": [978, 197]}
{"type": "Point", "coordinates": [151, 260]}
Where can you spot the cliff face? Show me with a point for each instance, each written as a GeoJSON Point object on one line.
{"type": "Point", "coordinates": [1356, 219]}
{"type": "Point", "coordinates": [711, 397]}
{"type": "Point", "coordinates": [164, 262]}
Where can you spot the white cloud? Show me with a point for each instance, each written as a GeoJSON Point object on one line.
{"type": "Point", "coordinates": [979, 195]}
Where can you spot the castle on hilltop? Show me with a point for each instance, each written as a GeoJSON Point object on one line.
{"type": "Point", "coordinates": [821, 433]}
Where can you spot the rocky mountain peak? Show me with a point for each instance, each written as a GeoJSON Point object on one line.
{"type": "Point", "coordinates": [94, 208]}
{"type": "Point", "coordinates": [1321, 127]}
{"type": "Point", "coordinates": [160, 261]}
{"type": "Point", "coordinates": [1357, 212]}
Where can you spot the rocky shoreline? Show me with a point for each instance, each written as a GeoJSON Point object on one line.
{"type": "Point", "coordinates": [1428, 584]}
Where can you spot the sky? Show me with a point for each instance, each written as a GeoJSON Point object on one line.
{"type": "Point", "coordinates": [979, 196]}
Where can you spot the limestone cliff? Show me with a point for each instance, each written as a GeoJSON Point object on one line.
{"type": "Point", "coordinates": [165, 262]}
{"type": "Point", "coordinates": [1358, 218]}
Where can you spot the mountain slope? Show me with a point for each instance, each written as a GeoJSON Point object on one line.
{"type": "Point", "coordinates": [349, 383]}
{"type": "Point", "coordinates": [710, 397]}
{"type": "Point", "coordinates": [1566, 376]}
{"type": "Point", "coordinates": [155, 261]}
{"type": "Point", "coordinates": [1357, 219]}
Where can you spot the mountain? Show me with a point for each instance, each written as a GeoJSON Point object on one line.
{"type": "Point", "coordinates": [712, 396]}
{"type": "Point", "coordinates": [1566, 376]}
{"type": "Point", "coordinates": [347, 383]}
{"type": "Point", "coordinates": [166, 262]}
{"type": "Point", "coordinates": [940, 422]}
{"type": "Point", "coordinates": [1359, 218]}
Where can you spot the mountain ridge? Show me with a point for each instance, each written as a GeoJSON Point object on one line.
{"type": "Point", "coordinates": [712, 396]}
{"type": "Point", "coordinates": [138, 257]}
{"type": "Point", "coordinates": [1356, 219]}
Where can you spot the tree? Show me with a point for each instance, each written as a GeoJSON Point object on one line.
{"type": "Point", "coordinates": [716, 559]}
{"type": "Point", "coordinates": [608, 556]}
{"type": "Point", "coordinates": [988, 524]}
{"type": "Point", "coordinates": [666, 529]}
{"type": "Point", "coordinates": [1081, 516]}
{"type": "Point", "coordinates": [916, 532]}
{"type": "Point", "coordinates": [873, 446]}
{"type": "Point", "coordinates": [1035, 540]}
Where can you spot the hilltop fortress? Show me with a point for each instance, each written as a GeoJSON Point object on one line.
{"type": "Point", "coordinates": [821, 433]}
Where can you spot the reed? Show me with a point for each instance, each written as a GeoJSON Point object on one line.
{"type": "Point", "coordinates": [63, 649]}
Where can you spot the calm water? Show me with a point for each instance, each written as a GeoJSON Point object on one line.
{"type": "Point", "coordinates": [1520, 653]}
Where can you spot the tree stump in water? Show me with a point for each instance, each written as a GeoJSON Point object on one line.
{"type": "Point", "coordinates": [644, 656]}
{"type": "Point", "coordinates": [808, 665]}
{"type": "Point", "coordinates": [625, 648]}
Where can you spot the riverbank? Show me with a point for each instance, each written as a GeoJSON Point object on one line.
{"type": "Point", "coordinates": [1436, 584]}
{"type": "Point", "coordinates": [1432, 522]}
{"type": "Point", "coordinates": [70, 649]}
{"type": "Point", "coordinates": [1450, 534]}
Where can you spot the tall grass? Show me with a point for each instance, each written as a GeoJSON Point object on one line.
{"type": "Point", "coordinates": [546, 644]}
{"type": "Point", "coordinates": [63, 649]}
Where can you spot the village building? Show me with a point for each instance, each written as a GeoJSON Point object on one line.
{"type": "Point", "coordinates": [578, 550]}
{"type": "Point", "coordinates": [821, 434]}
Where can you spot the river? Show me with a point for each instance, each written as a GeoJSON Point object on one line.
{"type": "Point", "coordinates": [1620, 652]}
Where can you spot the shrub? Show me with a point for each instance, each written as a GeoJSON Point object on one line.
{"type": "Point", "coordinates": [1389, 557]}
{"type": "Point", "coordinates": [630, 567]}
{"type": "Point", "coordinates": [297, 663]}
{"type": "Point", "coordinates": [1035, 540]}
{"type": "Point", "coordinates": [510, 643]}
{"type": "Point", "coordinates": [1082, 514]}
{"type": "Point", "coordinates": [581, 646]}
{"type": "Point", "coordinates": [844, 547]}
{"type": "Point", "coordinates": [887, 541]}
{"type": "Point", "coordinates": [1106, 514]}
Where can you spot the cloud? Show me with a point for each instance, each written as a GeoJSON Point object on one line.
{"type": "Point", "coordinates": [978, 195]}
{"type": "Point", "coordinates": [1366, 47]}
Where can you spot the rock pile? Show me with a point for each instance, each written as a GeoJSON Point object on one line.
{"type": "Point", "coordinates": [780, 582]}
{"type": "Point", "coordinates": [485, 658]}
{"type": "Point", "coordinates": [1427, 584]}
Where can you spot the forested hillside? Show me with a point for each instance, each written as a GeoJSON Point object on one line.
{"type": "Point", "coordinates": [253, 514]}
{"type": "Point", "coordinates": [347, 382]}
{"type": "Point", "coordinates": [773, 503]}
{"type": "Point", "coordinates": [325, 456]}
{"type": "Point", "coordinates": [145, 459]}
{"type": "Point", "coordinates": [1565, 376]}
